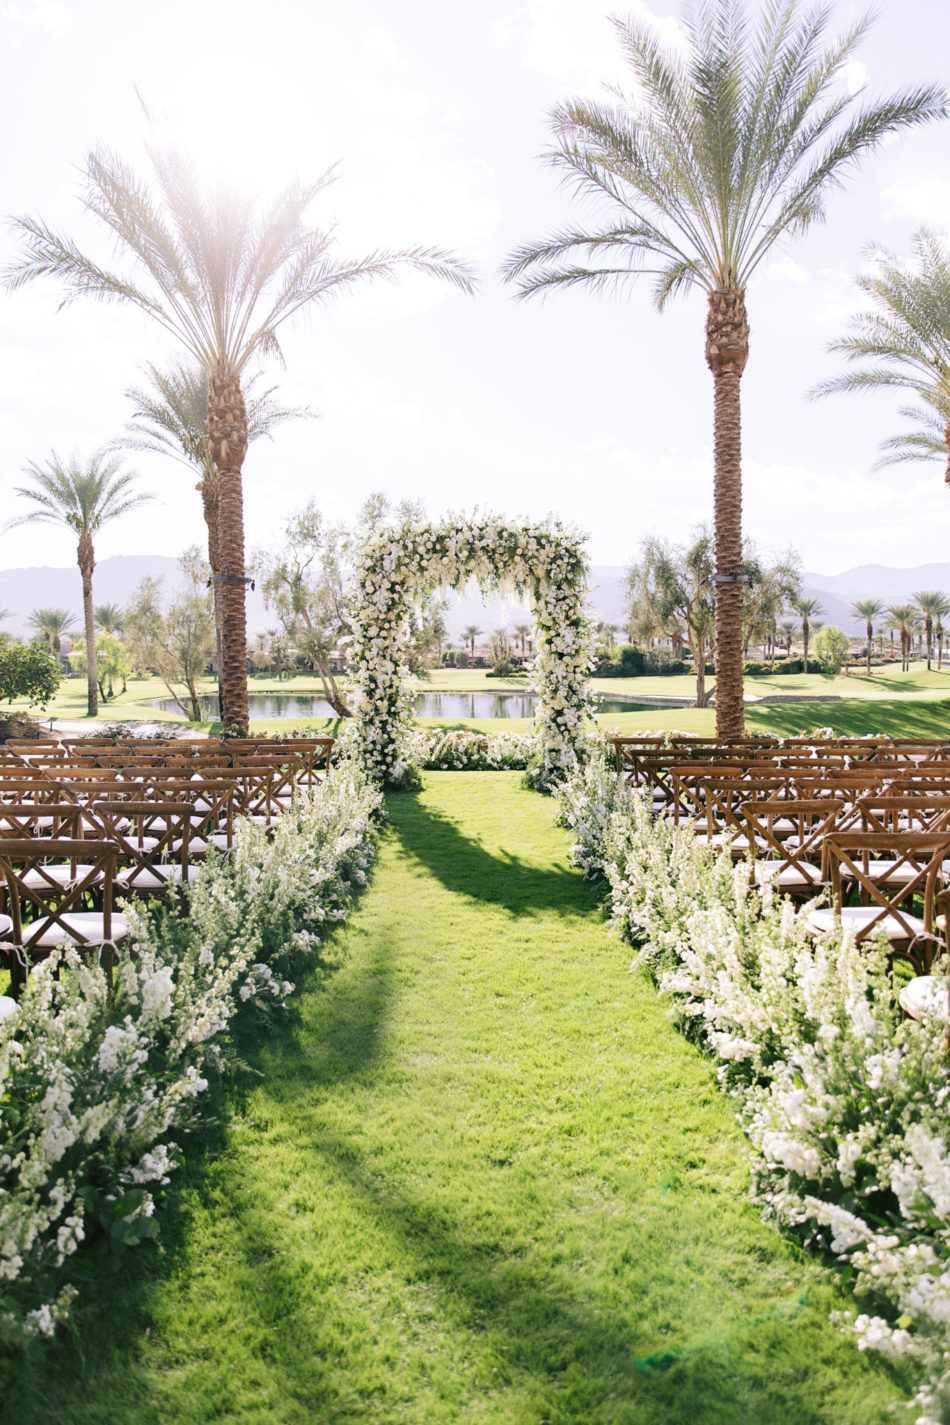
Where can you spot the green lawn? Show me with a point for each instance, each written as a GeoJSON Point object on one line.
{"type": "Point", "coordinates": [475, 1179]}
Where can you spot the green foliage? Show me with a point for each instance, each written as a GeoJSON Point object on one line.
{"type": "Point", "coordinates": [832, 647]}
{"type": "Point", "coordinates": [29, 670]}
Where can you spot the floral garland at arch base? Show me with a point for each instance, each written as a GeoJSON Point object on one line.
{"type": "Point", "coordinates": [400, 567]}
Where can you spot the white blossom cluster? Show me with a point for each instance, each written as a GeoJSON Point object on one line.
{"type": "Point", "coordinates": [846, 1106]}
{"type": "Point", "coordinates": [399, 568]}
{"type": "Point", "coordinates": [94, 1084]}
{"type": "Point", "coordinates": [465, 751]}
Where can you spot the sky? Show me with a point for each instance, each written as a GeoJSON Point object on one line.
{"type": "Point", "coordinates": [594, 408]}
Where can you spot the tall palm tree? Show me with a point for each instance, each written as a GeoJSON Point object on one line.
{"type": "Point", "coordinates": [53, 625]}
{"type": "Point", "coordinates": [905, 618]}
{"type": "Point", "coordinates": [903, 341]}
{"type": "Point", "coordinates": [787, 628]}
{"type": "Point", "coordinates": [83, 497]}
{"type": "Point", "coordinates": [932, 605]}
{"type": "Point", "coordinates": [521, 633]}
{"type": "Point", "coordinates": [171, 418]}
{"type": "Point", "coordinates": [869, 610]}
{"type": "Point", "coordinates": [221, 279]}
{"type": "Point", "coordinates": [724, 152]}
{"type": "Point", "coordinates": [806, 609]}
{"type": "Point", "coordinates": [470, 634]}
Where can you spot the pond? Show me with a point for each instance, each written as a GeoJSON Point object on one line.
{"type": "Point", "coordinates": [454, 707]}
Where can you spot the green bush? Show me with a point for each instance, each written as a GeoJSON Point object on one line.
{"type": "Point", "coordinates": [29, 670]}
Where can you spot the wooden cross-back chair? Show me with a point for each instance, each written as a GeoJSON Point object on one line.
{"type": "Point", "coordinates": [152, 841]}
{"type": "Point", "coordinates": [887, 872]}
{"type": "Point", "coordinates": [789, 836]}
{"type": "Point", "coordinates": [45, 913]}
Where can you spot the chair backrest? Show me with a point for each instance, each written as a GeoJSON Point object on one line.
{"type": "Point", "coordinates": [38, 902]}
{"type": "Point", "coordinates": [873, 859]}
{"type": "Point", "coordinates": [150, 838]}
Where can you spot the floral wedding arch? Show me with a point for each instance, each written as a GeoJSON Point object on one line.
{"type": "Point", "coordinates": [399, 567]}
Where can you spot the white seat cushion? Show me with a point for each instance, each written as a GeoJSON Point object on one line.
{"type": "Point", "coordinates": [804, 875]}
{"type": "Point", "coordinates": [146, 879]}
{"type": "Point", "coordinates": [86, 923]}
{"type": "Point", "coordinates": [923, 997]}
{"type": "Point", "coordinates": [896, 872]}
{"type": "Point", "coordinates": [6, 926]}
{"type": "Point", "coordinates": [820, 922]}
{"type": "Point", "coordinates": [63, 875]}
{"type": "Point", "coordinates": [8, 1007]}
{"type": "Point", "coordinates": [198, 845]}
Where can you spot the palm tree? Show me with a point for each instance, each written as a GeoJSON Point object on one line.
{"type": "Point", "coordinates": [109, 618]}
{"type": "Point", "coordinates": [905, 618]}
{"type": "Point", "coordinates": [53, 625]}
{"type": "Point", "coordinates": [83, 497]}
{"type": "Point", "coordinates": [869, 610]}
{"type": "Point", "coordinates": [470, 634]}
{"type": "Point", "coordinates": [904, 342]}
{"type": "Point", "coordinates": [932, 605]}
{"type": "Point", "coordinates": [521, 633]}
{"type": "Point", "coordinates": [724, 152]}
{"type": "Point", "coordinates": [171, 418]}
{"type": "Point", "coordinates": [787, 627]}
{"type": "Point", "coordinates": [806, 609]}
{"type": "Point", "coordinates": [221, 279]}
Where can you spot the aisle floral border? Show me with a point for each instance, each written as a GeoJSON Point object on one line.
{"type": "Point", "coordinates": [399, 567]}
{"type": "Point", "coordinates": [95, 1082]}
{"type": "Point", "coordinates": [844, 1103]}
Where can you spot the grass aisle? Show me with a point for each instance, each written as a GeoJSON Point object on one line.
{"type": "Point", "coordinates": [480, 1179]}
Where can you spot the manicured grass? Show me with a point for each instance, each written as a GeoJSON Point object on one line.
{"type": "Point", "coordinates": [477, 1179]}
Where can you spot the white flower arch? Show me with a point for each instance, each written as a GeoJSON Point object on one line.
{"type": "Point", "coordinates": [398, 567]}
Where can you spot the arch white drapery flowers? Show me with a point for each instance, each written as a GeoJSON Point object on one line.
{"type": "Point", "coordinates": [399, 567]}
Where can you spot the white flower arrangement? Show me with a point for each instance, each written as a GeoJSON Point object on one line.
{"type": "Point", "coordinates": [93, 1084]}
{"type": "Point", "coordinates": [400, 567]}
{"type": "Point", "coordinates": [846, 1106]}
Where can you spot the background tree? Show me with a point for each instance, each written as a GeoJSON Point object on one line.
{"type": "Point", "coordinates": [933, 605]}
{"type": "Point", "coordinates": [29, 670]}
{"type": "Point", "coordinates": [903, 341]}
{"type": "Point", "coordinates": [670, 591]}
{"type": "Point", "coordinates": [904, 619]}
{"type": "Point", "coordinates": [770, 588]}
{"type": "Point", "coordinates": [178, 644]}
{"type": "Point", "coordinates": [499, 650]}
{"type": "Point", "coordinates": [302, 579]}
{"type": "Point", "coordinates": [470, 633]}
{"type": "Point", "coordinates": [832, 647]}
{"type": "Point", "coordinates": [84, 498]}
{"type": "Point", "coordinates": [722, 152]}
{"type": "Point", "coordinates": [221, 279]}
{"type": "Point", "coordinates": [53, 625]}
{"type": "Point", "coordinates": [109, 618]}
{"type": "Point", "coordinates": [807, 610]}
{"type": "Point", "coordinates": [521, 633]}
{"type": "Point", "coordinates": [787, 630]}
{"type": "Point", "coordinates": [869, 610]}
{"type": "Point", "coordinates": [113, 660]}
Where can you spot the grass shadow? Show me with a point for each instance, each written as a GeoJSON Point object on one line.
{"type": "Point", "coordinates": [464, 866]}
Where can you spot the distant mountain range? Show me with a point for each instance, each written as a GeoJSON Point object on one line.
{"type": "Point", "coordinates": [22, 590]}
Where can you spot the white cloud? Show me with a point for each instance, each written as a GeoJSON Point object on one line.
{"type": "Point", "coordinates": [855, 76]}
{"type": "Point", "coordinates": [573, 42]}
{"type": "Point", "coordinates": [924, 199]}
{"type": "Point", "coordinates": [48, 15]}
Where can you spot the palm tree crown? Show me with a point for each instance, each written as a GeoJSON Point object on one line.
{"type": "Point", "coordinates": [903, 341]}
{"type": "Point", "coordinates": [933, 605]}
{"type": "Point", "coordinates": [53, 625]}
{"type": "Point", "coordinates": [723, 152]}
{"type": "Point", "coordinates": [869, 610]}
{"type": "Point", "coordinates": [83, 497]}
{"type": "Point", "coordinates": [221, 278]}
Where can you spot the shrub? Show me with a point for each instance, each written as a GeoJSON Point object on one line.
{"type": "Point", "coordinates": [832, 647]}
{"type": "Point", "coordinates": [29, 670]}
{"type": "Point", "coordinates": [462, 658]}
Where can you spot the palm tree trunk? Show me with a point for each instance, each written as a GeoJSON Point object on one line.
{"type": "Point", "coordinates": [870, 636]}
{"type": "Point", "coordinates": [208, 487]}
{"type": "Point", "coordinates": [227, 441]}
{"type": "Point", "coordinates": [930, 638]}
{"type": "Point", "coordinates": [727, 350]}
{"type": "Point", "coordinates": [805, 632]}
{"type": "Point", "coordinates": [87, 563]}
